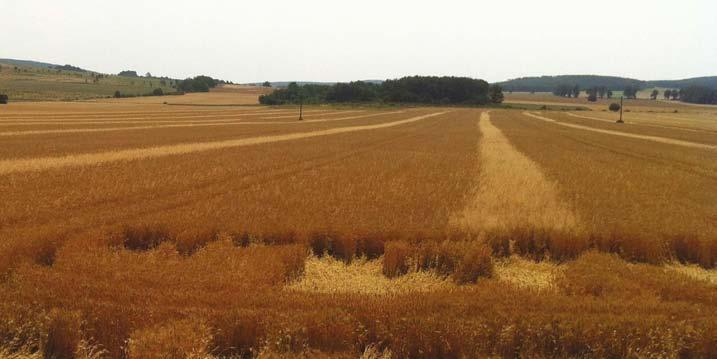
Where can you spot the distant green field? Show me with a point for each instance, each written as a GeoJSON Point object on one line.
{"type": "Point", "coordinates": [27, 83]}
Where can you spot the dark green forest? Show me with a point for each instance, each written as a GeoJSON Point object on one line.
{"type": "Point", "coordinates": [415, 89]}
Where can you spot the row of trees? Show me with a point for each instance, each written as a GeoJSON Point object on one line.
{"type": "Point", "coordinates": [416, 89]}
{"type": "Point", "coordinates": [565, 90]}
{"type": "Point", "coordinates": [698, 94]}
{"type": "Point", "coordinates": [631, 91]}
{"type": "Point", "coordinates": [598, 92]}
{"type": "Point", "coordinates": [155, 92]}
{"type": "Point", "coordinates": [593, 93]}
{"type": "Point", "coordinates": [672, 94]}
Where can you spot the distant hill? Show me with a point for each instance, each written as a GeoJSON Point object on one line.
{"type": "Point", "coordinates": [549, 83]}
{"type": "Point", "coordinates": [44, 65]}
{"type": "Point", "coordinates": [286, 83]}
{"type": "Point", "coordinates": [41, 65]}
{"type": "Point", "coordinates": [707, 81]}
{"type": "Point", "coordinates": [24, 80]}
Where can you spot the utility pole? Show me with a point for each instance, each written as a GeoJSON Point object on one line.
{"type": "Point", "coordinates": [301, 108]}
{"type": "Point", "coordinates": [621, 99]}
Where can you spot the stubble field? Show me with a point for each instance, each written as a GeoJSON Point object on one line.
{"type": "Point", "coordinates": [154, 231]}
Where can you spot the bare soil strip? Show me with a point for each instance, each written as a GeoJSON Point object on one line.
{"type": "Point", "coordinates": [89, 159]}
{"type": "Point", "coordinates": [624, 134]}
{"type": "Point", "coordinates": [175, 125]}
{"type": "Point", "coordinates": [512, 191]}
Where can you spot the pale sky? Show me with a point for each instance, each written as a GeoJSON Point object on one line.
{"type": "Point", "coordinates": [323, 40]}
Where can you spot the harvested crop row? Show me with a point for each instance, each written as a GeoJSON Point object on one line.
{"type": "Point", "coordinates": [175, 125]}
{"type": "Point", "coordinates": [163, 118]}
{"type": "Point", "coordinates": [625, 134]}
{"type": "Point", "coordinates": [59, 144]}
{"type": "Point", "coordinates": [512, 192]}
{"type": "Point", "coordinates": [39, 164]}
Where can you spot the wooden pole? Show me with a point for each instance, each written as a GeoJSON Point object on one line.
{"type": "Point", "coordinates": [301, 109]}
{"type": "Point", "coordinates": [621, 98]}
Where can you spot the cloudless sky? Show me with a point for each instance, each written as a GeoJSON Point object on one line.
{"type": "Point", "coordinates": [325, 40]}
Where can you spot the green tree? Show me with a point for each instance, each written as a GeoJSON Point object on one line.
{"type": "Point", "coordinates": [668, 94]}
{"type": "Point", "coordinates": [128, 73]}
{"type": "Point", "coordinates": [630, 91]}
{"type": "Point", "coordinates": [266, 84]}
{"type": "Point", "coordinates": [676, 94]}
{"type": "Point", "coordinates": [496, 94]}
{"type": "Point", "coordinates": [654, 94]}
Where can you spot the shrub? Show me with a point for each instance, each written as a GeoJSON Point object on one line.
{"type": "Point", "coordinates": [237, 334]}
{"type": "Point", "coordinates": [118, 94]}
{"type": "Point", "coordinates": [395, 258]}
{"type": "Point", "coordinates": [176, 339]}
{"type": "Point", "coordinates": [464, 260]}
{"type": "Point", "coordinates": [63, 335]}
{"type": "Point", "coordinates": [46, 252]}
{"type": "Point", "coordinates": [476, 262]}
{"type": "Point", "coordinates": [614, 107]}
{"type": "Point", "coordinates": [345, 247]}
{"type": "Point", "coordinates": [691, 249]}
{"type": "Point", "coordinates": [141, 238]}
{"type": "Point", "coordinates": [157, 92]}
{"type": "Point", "coordinates": [190, 241]}
{"type": "Point", "coordinates": [293, 260]}
{"type": "Point", "coordinates": [3, 99]}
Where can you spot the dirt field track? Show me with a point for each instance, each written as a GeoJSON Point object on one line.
{"type": "Point", "coordinates": [137, 229]}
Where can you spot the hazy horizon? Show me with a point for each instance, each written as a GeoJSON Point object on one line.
{"type": "Point", "coordinates": [326, 41]}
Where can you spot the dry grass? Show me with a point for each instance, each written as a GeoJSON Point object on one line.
{"type": "Point", "coordinates": [512, 190]}
{"type": "Point", "coordinates": [527, 274]}
{"type": "Point", "coordinates": [695, 272]}
{"type": "Point", "coordinates": [329, 275]}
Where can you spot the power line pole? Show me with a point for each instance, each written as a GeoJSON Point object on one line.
{"type": "Point", "coordinates": [621, 100]}
{"type": "Point", "coordinates": [301, 108]}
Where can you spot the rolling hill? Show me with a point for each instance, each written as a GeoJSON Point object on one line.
{"type": "Point", "coordinates": [548, 83]}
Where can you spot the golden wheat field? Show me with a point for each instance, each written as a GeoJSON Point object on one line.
{"type": "Point", "coordinates": [214, 228]}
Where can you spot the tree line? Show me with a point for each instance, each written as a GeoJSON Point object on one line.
{"type": "Point", "coordinates": [698, 94]}
{"type": "Point", "coordinates": [198, 84]}
{"type": "Point", "coordinates": [415, 89]}
{"type": "Point", "coordinates": [595, 92]}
